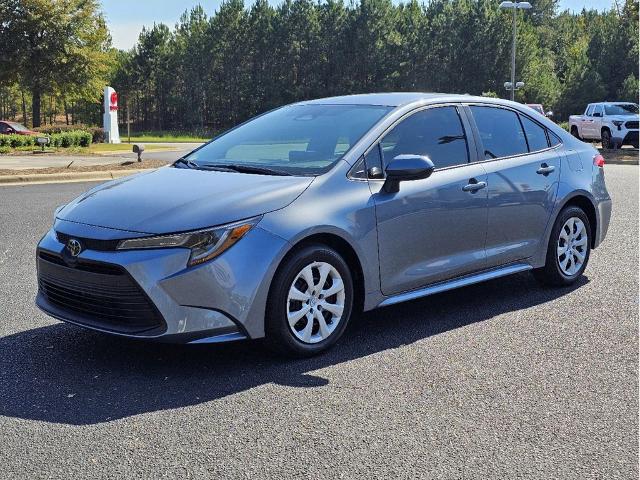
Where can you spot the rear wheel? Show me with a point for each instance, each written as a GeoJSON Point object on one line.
{"type": "Point", "coordinates": [309, 303]}
{"type": "Point", "coordinates": [568, 250]}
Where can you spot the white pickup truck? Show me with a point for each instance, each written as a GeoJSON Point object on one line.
{"type": "Point", "coordinates": [614, 123]}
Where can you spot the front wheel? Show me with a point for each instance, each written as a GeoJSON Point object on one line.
{"type": "Point", "coordinates": [606, 140]}
{"type": "Point", "coordinates": [568, 250]}
{"type": "Point", "coordinates": [574, 132]}
{"type": "Point", "coordinates": [310, 302]}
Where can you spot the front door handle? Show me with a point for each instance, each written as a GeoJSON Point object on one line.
{"type": "Point", "coordinates": [545, 169]}
{"type": "Point", "coordinates": [474, 185]}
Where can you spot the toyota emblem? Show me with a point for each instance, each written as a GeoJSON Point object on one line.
{"type": "Point", "coordinates": [74, 247]}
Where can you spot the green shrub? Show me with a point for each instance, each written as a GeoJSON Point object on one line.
{"type": "Point", "coordinates": [75, 138]}
{"type": "Point", "coordinates": [4, 149]}
{"type": "Point", "coordinates": [97, 133]}
{"type": "Point", "coordinates": [67, 139]}
{"type": "Point", "coordinates": [85, 138]}
{"type": "Point", "coordinates": [51, 129]}
{"type": "Point", "coordinates": [16, 141]}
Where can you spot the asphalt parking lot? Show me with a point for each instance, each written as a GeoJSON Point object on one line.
{"type": "Point", "coordinates": [501, 380]}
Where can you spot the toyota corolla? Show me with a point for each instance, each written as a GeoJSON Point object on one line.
{"type": "Point", "coordinates": [285, 225]}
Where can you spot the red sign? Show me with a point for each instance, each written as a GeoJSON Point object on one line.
{"type": "Point", "coordinates": [113, 101]}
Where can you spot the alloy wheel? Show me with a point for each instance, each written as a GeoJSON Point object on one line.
{"type": "Point", "coordinates": [572, 246]}
{"type": "Point", "coordinates": [315, 303]}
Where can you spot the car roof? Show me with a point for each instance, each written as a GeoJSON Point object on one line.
{"type": "Point", "coordinates": [612, 103]}
{"type": "Point", "coordinates": [393, 99]}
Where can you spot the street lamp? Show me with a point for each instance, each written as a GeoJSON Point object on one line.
{"type": "Point", "coordinates": [515, 6]}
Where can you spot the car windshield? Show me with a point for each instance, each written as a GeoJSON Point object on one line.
{"type": "Point", "coordinates": [18, 127]}
{"type": "Point", "coordinates": [296, 139]}
{"type": "Point", "coordinates": [621, 109]}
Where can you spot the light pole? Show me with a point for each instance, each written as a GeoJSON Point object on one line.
{"type": "Point", "coordinates": [514, 6]}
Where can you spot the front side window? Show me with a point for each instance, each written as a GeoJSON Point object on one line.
{"type": "Point", "coordinates": [296, 139]}
{"type": "Point", "coordinates": [536, 135]}
{"type": "Point", "coordinates": [435, 132]}
{"type": "Point", "coordinates": [500, 132]}
{"type": "Point", "coordinates": [597, 112]}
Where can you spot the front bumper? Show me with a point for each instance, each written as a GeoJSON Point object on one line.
{"type": "Point", "coordinates": [221, 300]}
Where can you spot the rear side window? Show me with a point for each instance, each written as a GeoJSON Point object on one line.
{"type": "Point", "coordinates": [589, 110]}
{"type": "Point", "coordinates": [536, 135]}
{"type": "Point", "coordinates": [436, 132]}
{"type": "Point", "coordinates": [500, 131]}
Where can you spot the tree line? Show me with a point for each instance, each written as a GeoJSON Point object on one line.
{"type": "Point", "coordinates": [211, 72]}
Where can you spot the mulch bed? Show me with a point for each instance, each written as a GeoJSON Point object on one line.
{"type": "Point", "coordinates": [129, 165]}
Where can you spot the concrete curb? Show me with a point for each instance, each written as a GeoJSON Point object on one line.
{"type": "Point", "coordinates": [614, 161]}
{"type": "Point", "coordinates": [40, 178]}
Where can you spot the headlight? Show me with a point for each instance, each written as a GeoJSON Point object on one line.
{"type": "Point", "coordinates": [204, 244]}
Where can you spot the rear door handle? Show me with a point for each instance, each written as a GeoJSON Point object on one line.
{"type": "Point", "coordinates": [545, 169]}
{"type": "Point", "coordinates": [474, 186]}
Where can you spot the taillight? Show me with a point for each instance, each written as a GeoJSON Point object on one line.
{"type": "Point", "coordinates": [598, 161]}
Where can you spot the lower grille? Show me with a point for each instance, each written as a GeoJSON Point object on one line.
{"type": "Point", "coordinates": [631, 137]}
{"type": "Point", "coordinates": [96, 294]}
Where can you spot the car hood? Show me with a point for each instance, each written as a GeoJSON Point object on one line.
{"type": "Point", "coordinates": [624, 118]}
{"type": "Point", "coordinates": [175, 199]}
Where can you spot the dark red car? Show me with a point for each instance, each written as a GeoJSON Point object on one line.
{"type": "Point", "coordinates": [8, 128]}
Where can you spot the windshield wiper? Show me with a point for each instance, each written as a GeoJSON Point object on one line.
{"type": "Point", "coordinates": [186, 162]}
{"type": "Point", "coordinates": [195, 166]}
{"type": "Point", "coordinates": [245, 169]}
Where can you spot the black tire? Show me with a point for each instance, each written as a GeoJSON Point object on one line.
{"type": "Point", "coordinates": [574, 132]}
{"type": "Point", "coordinates": [607, 144]}
{"type": "Point", "coordinates": [552, 274]}
{"type": "Point", "coordinates": [279, 335]}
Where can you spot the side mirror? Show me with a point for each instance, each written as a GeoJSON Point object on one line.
{"type": "Point", "coordinates": [597, 114]}
{"type": "Point", "coordinates": [404, 168]}
{"type": "Point", "coordinates": [549, 114]}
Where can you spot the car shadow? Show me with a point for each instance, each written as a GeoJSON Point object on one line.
{"type": "Point", "coordinates": [64, 374]}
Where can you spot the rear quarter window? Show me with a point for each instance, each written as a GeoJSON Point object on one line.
{"type": "Point", "coordinates": [554, 139]}
{"type": "Point", "coordinates": [536, 135]}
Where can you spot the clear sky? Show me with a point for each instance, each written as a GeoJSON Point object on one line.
{"type": "Point", "coordinates": [127, 17]}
